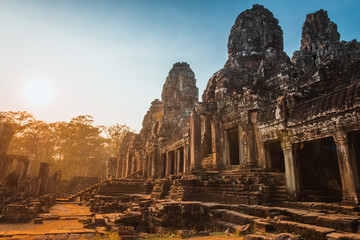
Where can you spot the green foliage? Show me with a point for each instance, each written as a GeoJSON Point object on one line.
{"type": "Point", "coordinates": [298, 235]}
{"type": "Point", "coordinates": [78, 148]}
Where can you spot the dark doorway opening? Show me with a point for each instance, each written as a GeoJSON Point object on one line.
{"type": "Point", "coordinates": [233, 140]}
{"type": "Point", "coordinates": [320, 175]}
{"type": "Point", "coordinates": [172, 162]}
{"type": "Point", "coordinates": [206, 138]}
{"type": "Point", "coordinates": [181, 159]}
{"type": "Point", "coordinates": [275, 156]}
{"type": "Point", "coordinates": [163, 165]}
{"type": "Point", "coordinates": [354, 145]}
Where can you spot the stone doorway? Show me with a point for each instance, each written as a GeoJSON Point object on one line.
{"type": "Point", "coordinates": [274, 156]}
{"type": "Point", "coordinates": [233, 146]}
{"type": "Point", "coordinates": [319, 170]}
{"type": "Point", "coordinates": [172, 162]}
{"type": "Point", "coordinates": [163, 165]}
{"type": "Point", "coordinates": [354, 147]}
{"type": "Point", "coordinates": [181, 159]}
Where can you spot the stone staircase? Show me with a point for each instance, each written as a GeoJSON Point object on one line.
{"type": "Point", "coordinates": [248, 187]}
{"type": "Point", "coordinates": [161, 189]}
{"type": "Point", "coordinates": [312, 222]}
{"type": "Point", "coordinates": [88, 190]}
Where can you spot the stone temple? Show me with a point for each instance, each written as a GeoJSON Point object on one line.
{"type": "Point", "coordinates": [285, 128]}
{"type": "Point", "coordinates": [273, 145]}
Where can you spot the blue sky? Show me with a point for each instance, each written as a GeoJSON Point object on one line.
{"type": "Point", "coordinates": [109, 59]}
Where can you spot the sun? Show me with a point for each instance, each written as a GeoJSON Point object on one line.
{"type": "Point", "coordinates": [38, 91]}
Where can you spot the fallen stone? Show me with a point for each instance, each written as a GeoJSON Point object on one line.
{"type": "Point", "coordinates": [38, 221]}
{"type": "Point", "coordinates": [342, 236]}
{"type": "Point", "coordinates": [17, 213]}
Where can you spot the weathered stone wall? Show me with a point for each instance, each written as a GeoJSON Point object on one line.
{"type": "Point", "coordinates": [165, 128]}
{"type": "Point", "coordinates": [258, 112]}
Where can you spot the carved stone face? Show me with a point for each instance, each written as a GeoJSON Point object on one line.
{"type": "Point", "coordinates": [254, 30]}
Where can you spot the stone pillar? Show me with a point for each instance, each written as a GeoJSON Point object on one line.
{"type": "Point", "coordinates": [217, 149]}
{"type": "Point", "coordinates": [168, 164]}
{"type": "Point", "coordinates": [350, 195]}
{"type": "Point", "coordinates": [123, 167]}
{"type": "Point", "coordinates": [186, 158]}
{"type": "Point", "coordinates": [152, 169]}
{"type": "Point", "coordinates": [128, 164]}
{"type": "Point", "coordinates": [25, 169]}
{"type": "Point", "coordinates": [6, 163]}
{"type": "Point", "coordinates": [291, 170]}
{"type": "Point", "coordinates": [182, 159]}
{"type": "Point", "coordinates": [157, 160]}
{"type": "Point", "coordinates": [162, 165]}
{"type": "Point", "coordinates": [145, 169]}
{"type": "Point", "coordinates": [263, 155]}
{"type": "Point", "coordinates": [19, 168]}
{"type": "Point", "coordinates": [149, 165]}
{"type": "Point", "coordinates": [43, 176]}
{"type": "Point", "coordinates": [195, 140]}
{"type": "Point", "coordinates": [253, 140]}
{"type": "Point", "coordinates": [120, 168]}
{"type": "Point", "coordinates": [178, 160]}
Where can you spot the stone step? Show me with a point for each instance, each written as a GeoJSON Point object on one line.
{"type": "Point", "coordinates": [323, 207]}
{"type": "Point", "coordinates": [234, 220]}
{"type": "Point", "coordinates": [243, 214]}
{"type": "Point", "coordinates": [220, 225]}
{"type": "Point", "coordinates": [342, 236]}
{"type": "Point", "coordinates": [306, 231]}
{"type": "Point", "coordinates": [233, 216]}
{"type": "Point", "coordinates": [342, 222]}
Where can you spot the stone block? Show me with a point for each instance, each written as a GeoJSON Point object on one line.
{"type": "Point", "coordinates": [17, 213]}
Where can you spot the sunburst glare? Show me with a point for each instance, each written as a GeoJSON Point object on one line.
{"type": "Point", "coordinates": [38, 91]}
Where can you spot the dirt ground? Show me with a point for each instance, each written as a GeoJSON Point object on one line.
{"type": "Point", "coordinates": [62, 223]}
{"type": "Point", "coordinates": [62, 219]}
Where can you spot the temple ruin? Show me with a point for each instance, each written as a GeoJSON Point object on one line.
{"type": "Point", "coordinates": [272, 146]}
{"type": "Point", "coordinates": [288, 125]}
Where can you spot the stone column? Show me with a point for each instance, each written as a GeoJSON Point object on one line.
{"type": "Point", "coordinates": [123, 167]}
{"type": "Point", "coordinates": [217, 149]}
{"type": "Point", "coordinates": [263, 155]}
{"type": "Point", "coordinates": [178, 160]}
{"type": "Point", "coordinates": [5, 167]}
{"type": "Point", "coordinates": [149, 164]}
{"type": "Point", "coordinates": [162, 166]}
{"type": "Point", "coordinates": [186, 158]}
{"type": "Point", "coordinates": [134, 162]}
{"type": "Point", "coordinates": [19, 168]}
{"type": "Point", "coordinates": [253, 140]}
{"type": "Point", "coordinates": [350, 195]}
{"type": "Point", "coordinates": [153, 165]}
{"type": "Point", "coordinates": [182, 153]}
{"type": "Point", "coordinates": [128, 164]}
{"type": "Point", "coordinates": [195, 140]}
{"type": "Point", "coordinates": [291, 170]}
{"type": "Point", "coordinates": [145, 170]}
{"type": "Point", "coordinates": [168, 167]}
{"type": "Point", "coordinates": [25, 169]}
{"type": "Point", "coordinates": [226, 154]}
{"type": "Point", "coordinates": [43, 176]}
{"type": "Point", "coordinates": [156, 163]}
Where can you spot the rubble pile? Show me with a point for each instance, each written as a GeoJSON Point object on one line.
{"type": "Point", "coordinates": [26, 209]}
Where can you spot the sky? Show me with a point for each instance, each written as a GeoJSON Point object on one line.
{"type": "Point", "coordinates": [109, 59]}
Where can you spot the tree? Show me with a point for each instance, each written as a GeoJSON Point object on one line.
{"type": "Point", "coordinates": [115, 135]}
{"type": "Point", "coordinates": [76, 147]}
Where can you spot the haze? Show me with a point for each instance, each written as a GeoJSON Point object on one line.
{"type": "Point", "coordinates": [109, 59]}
